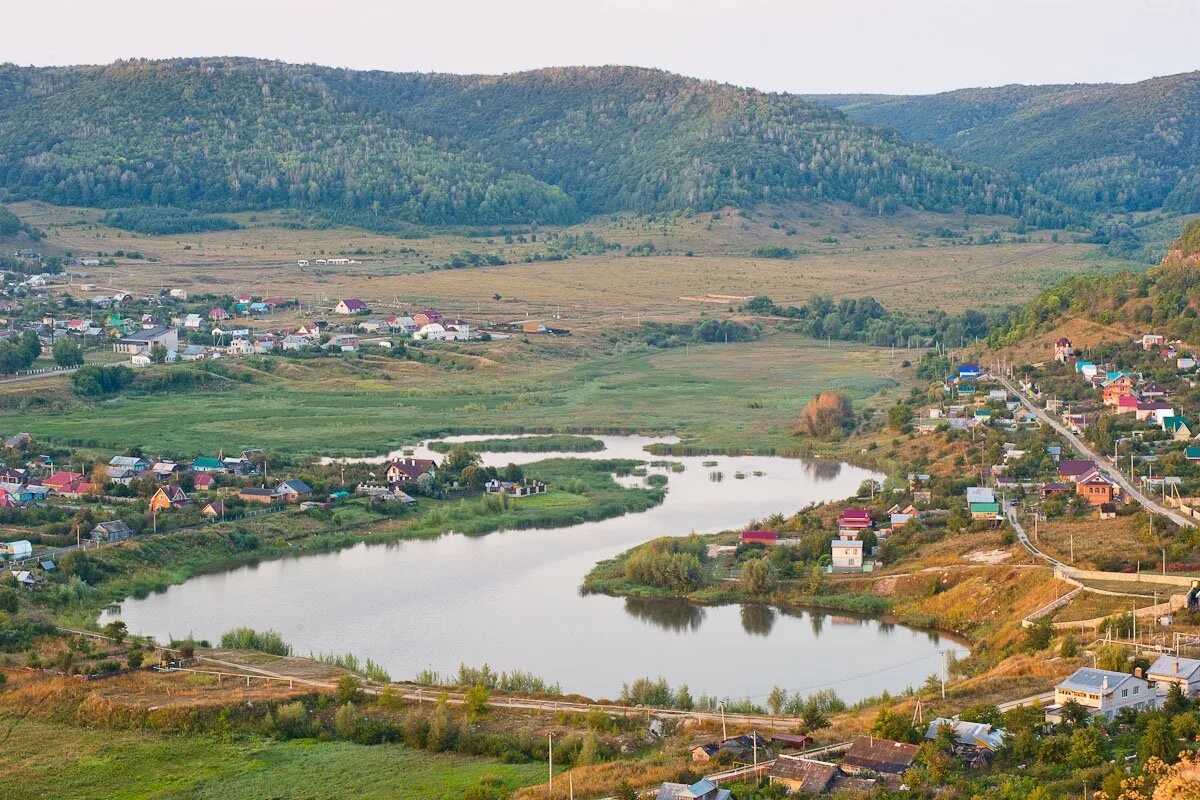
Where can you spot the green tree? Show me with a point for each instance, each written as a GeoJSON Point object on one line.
{"type": "Point", "coordinates": [683, 698]}
{"type": "Point", "coordinates": [891, 724]}
{"type": "Point", "coordinates": [776, 700]}
{"type": "Point", "coordinates": [476, 702]}
{"type": "Point", "coordinates": [1158, 741]}
{"type": "Point", "coordinates": [116, 630]}
{"type": "Point", "coordinates": [67, 353]}
{"type": "Point", "coordinates": [1087, 748]}
{"type": "Point", "coordinates": [349, 690]}
{"type": "Point", "coordinates": [757, 577]}
{"type": "Point", "coordinates": [899, 416]}
{"type": "Point", "coordinates": [1039, 634]}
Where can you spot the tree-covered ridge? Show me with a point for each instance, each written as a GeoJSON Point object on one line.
{"type": "Point", "coordinates": [202, 136]}
{"type": "Point", "coordinates": [1100, 146]}
{"type": "Point", "coordinates": [544, 146]}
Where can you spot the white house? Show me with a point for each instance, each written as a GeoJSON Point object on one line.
{"type": "Point", "coordinates": [350, 305]}
{"type": "Point", "coordinates": [193, 321]}
{"type": "Point", "coordinates": [435, 332]}
{"type": "Point", "coordinates": [1168, 669]}
{"type": "Point", "coordinates": [142, 341]}
{"type": "Point", "coordinates": [847, 555]}
{"type": "Point", "coordinates": [1102, 692]}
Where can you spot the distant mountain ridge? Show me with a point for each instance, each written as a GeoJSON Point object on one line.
{"type": "Point", "coordinates": [1111, 147]}
{"type": "Point", "coordinates": [547, 146]}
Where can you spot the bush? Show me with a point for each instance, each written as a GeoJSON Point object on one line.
{"type": "Point", "coordinates": [250, 639]}
{"type": "Point", "coordinates": [827, 414]}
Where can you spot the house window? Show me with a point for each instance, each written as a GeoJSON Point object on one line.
{"type": "Point", "coordinates": [1124, 693]}
{"type": "Point", "coordinates": [1137, 689]}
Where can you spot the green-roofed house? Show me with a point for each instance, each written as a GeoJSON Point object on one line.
{"type": "Point", "coordinates": [989, 512]}
{"type": "Point", "coordinates": [1178, 427]}
{"type": "Point", "coordinates": [1192, 453]}
{"type": "Point", "coordinates": [205, 464]}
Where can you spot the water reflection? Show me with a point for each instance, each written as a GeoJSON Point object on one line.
{"type": "Point", "coordinates": [825, 470]}
{"type": "Point", "coordinates": [669, 613]}
{"type": "Point", "coordinates": [758, 620]}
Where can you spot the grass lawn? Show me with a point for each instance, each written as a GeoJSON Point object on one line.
{"type": "Point", "coordinates": [44, 761]}
{"type": "Point", "coordinates": [718, 396]}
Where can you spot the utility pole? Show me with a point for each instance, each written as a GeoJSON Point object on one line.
{"type": "Point", "coordinates": [724, 735]}
{"type": "Point", "coordinates": [945, 653]}
{"type": "Point", "coordinates": [550, 737]}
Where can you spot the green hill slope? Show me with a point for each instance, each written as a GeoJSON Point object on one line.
{"type": "Point", "coordinates": [1097, 146]}
{"type": "Point", "coordinates": [546, 146]}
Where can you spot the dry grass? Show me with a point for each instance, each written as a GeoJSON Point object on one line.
{"type": "Point", "coordinates": [1096, 538]}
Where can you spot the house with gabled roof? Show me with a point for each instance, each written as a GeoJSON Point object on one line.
{"type": "Point", "coordinates": [408, 469]}
{"type": "Point", "coordinates": [1179, 428]}
{"type": "Point", "coordinates": [112, 531]}
{"type": "Point", "coordinates": [968, 734]}
{"type": "Point", "coordinates": [349, 306]}
{"type": "Point", "coordinates": [1182, 672]}
{"type": "Point", "coordinates": [1075, 470]}
{"type": "Point", "coordinates": [802, 775]}
{"type": "Point", "coordinates": [214, 510]}
{"type": "Point", "coordinates": [293, 490]}
{"type": "Point", "coordinates": [869, 754]}
{"type": "Point", "coordinates": [1102, 692]}
{"type": "Point", "coordinates": [206, 464]}
{"type": "Point", "coordinates": [167, 497]}
{"type": "Point", "coordinates": [702, 789]}
{"type": "Point", "coordinates": [64, 482]}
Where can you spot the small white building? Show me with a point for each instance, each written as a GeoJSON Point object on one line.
{"type": "Point", "coordinates": [1102, 692]}
{"type": "Point", "coordinates": [847, 555]}
{"type": "Point", "coordinates": [1185, 672]}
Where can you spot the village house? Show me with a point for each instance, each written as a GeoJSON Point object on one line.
{"type": "Point", "coordinates": [350, 306]}
{"type": "Point", "coordinates": [65, 483]}
{"type": "Point", "coordinates": [847, 555]}
{"type": "Point", "coordinates": [1076, 470]}
{"type": "Point", "coordinates": [700, 790]}
{"type": "Point", "coordinates": [293, 490]}
{"type": "Point", "coordinates": [1183, 672]}
{"type": "Point", "coordinates": [408, 469]}
{"type": "Point", "coordinates": [113, 531]}
{"type": "Point", "coordinates": [768, 538]}
{"type": "Point", "coordinates": [802, 775]}
{"type": "Point", "coordinates": [1153, 411]}
{"type": "Point", "coordinates": [1064, 351]}
{"type": "Point", "coordinates": [345, 342]}
{"type": "Point", "coordinates": [853, 521]}
{"type": "Point", "coordinates": [214, 510]}
{"type": "Point", "coordinates": [1102, 692]}
{"type": "Point", "coordinates": [1097, 490]}
{"type": "Point", "coordinates": [204, 482]}
{"type": "Point", "coordinates": [1178, 427]}
{"type": "Point", "coordinates": [869, 754]}
{"type": "Point", "coordinates": [206, 464]}
{"type": "Point", "coordinates": [167, 497]}
{"type": "Point", "coordinates": [427, 317]}
{"type": "Point", "coordinates": [257, 495]}
{"type": "Point", "coordinates": [968, 734]}
{"type": "Point", "coordinates": [1152, 341]}
{"type": "Point", "coordinates": [1115, 388]}
{"type": "Point", "coordinates": [141, 342]}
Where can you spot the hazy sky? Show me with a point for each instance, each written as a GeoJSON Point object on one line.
{"type": "Point", "coordinates": [783, 45]}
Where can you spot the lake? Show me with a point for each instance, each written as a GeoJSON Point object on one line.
{"type": "Point", "coordinates": [511, 599]}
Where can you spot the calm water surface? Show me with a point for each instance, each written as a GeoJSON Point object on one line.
{"type": "Point", "coordinates": [511, 599]}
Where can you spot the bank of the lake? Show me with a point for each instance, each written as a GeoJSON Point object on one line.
{"type": "Point", "coordinates": [528, 443]}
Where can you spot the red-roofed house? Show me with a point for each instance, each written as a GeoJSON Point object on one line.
{"type": "Point", "coordinates": [853, 520]}
{"type": "Point", "coordinates": [218, 314]}
{"type": "Point", "coordinates": [769, 538]}
{"type": "Point", "coordinates": [1075, 471]}
{"type": "Point", "coordinates": [1118, 387]}
{"type": "Point", "coordinates": [203, 482]}
{"type": "Point", "coordinates": [407, 470]}
{"type": "Point", "coordinates": [1127, 404]}
{"type": "Point", "coordinates": [64, 482]}
{"type": "Point", "coordinates": [351, 305]}
{"type": "Point", "coordinates": [427, 317]}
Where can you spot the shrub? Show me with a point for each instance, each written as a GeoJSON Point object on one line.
{"type": "Point", "coordinates": [249, 639]}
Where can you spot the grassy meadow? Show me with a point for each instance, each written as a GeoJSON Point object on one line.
{"type": "Point", "coordinates": [739, 396]}
{"type": "Point", "coordinates": [45, 761]}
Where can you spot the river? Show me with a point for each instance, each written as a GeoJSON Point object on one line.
{"type": "Point", "coordinates": [511, 599]}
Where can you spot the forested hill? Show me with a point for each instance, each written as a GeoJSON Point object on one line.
{"type": "Point", "coordinates": [1124, 147]}
{"type": "Point", "coordinates": [547, 146]}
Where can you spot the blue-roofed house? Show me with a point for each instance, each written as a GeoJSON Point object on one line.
{"type": "Point", "coordinates": [969, 734]}
{"type": "Point", "coordinates": [293, 490]}
{"type": "Point", "coordinates": [969, 371]}
{"type": "Point", "coordinates": [700, 790]}
{"type": "Point", "coordinates": [206, 464]}
{"type": "Point", "coordinates": [1102, 692]}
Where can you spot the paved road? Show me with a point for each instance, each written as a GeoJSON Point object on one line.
{"type": "Point", "coordinates": [1087, 452]}
{"type": "Point", "coordinates": [36, 376]}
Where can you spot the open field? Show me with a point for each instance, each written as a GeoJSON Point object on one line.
{"type": "Point", "coordinates": [739, 396]}
{"type": "Point", "coordinates": [697, 262]}
{"type": "Point", "coordinates": [1099, 544]}
{"type": "Point", "coordinates": [43, 760]}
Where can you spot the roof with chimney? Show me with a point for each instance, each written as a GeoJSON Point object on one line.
{"type": "Point", "coordinates": [1174, 668]}
{"type": "Point", "coordinates": [1094, 681]}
